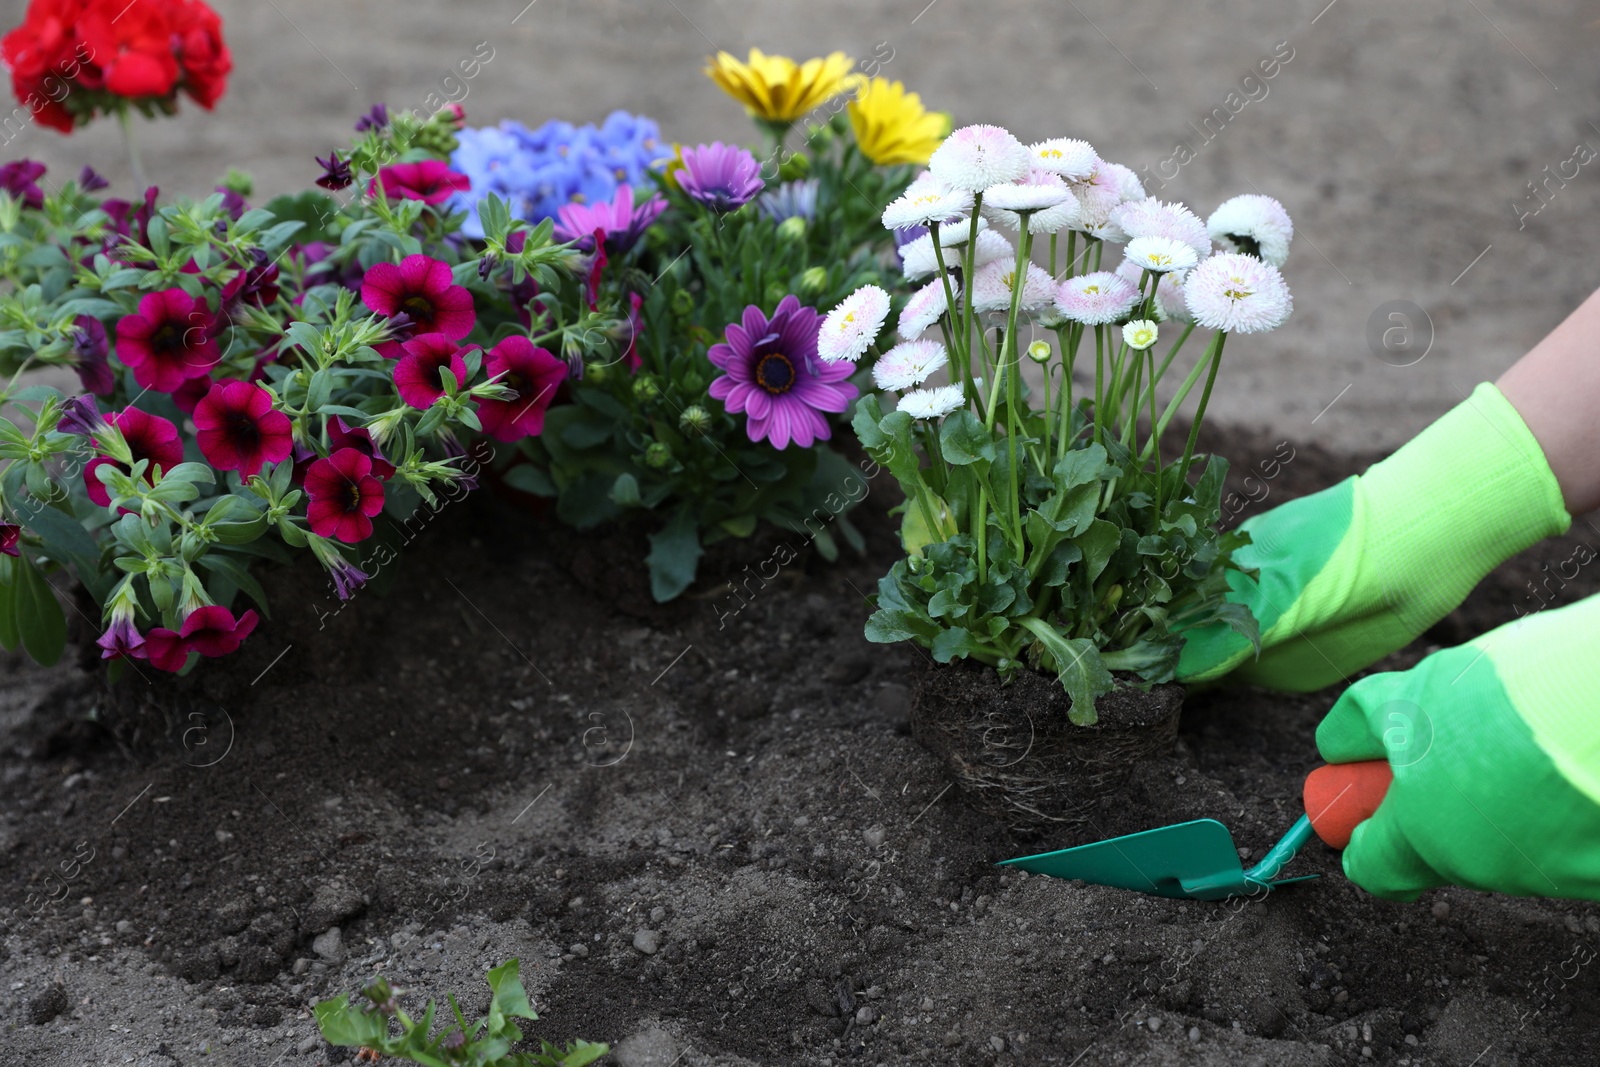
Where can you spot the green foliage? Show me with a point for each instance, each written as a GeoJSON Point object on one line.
{"type": "Point", "coordinates": [365, 1022]}
{"type": "Point", "coordinates": [651, 440]}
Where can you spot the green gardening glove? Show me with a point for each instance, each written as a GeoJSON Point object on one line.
{"type": "Point", "coordinates": [1352, 573]}
{"type": "Point", "coordinates": [1495, 748]}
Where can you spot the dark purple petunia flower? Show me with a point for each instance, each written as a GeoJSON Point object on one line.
{"type": "Point", "coordinates": [90, 181]}
{"type": "Point", "coordinates": [122, 640]}
{"type": "Point", "coordinates": [347, 577]}
{"type": "Point", "coordinates": [376, 119]}
{"type": "Point", "coordinates": [80, 415]}
{"type": "Point", "coordinates": [336, 173]}
{"type": "Point", "coordinates": [771, 371]}
{"type": "Point", "coordinates": [723, 177]}
{"type": "Point", "coordinates": [92, 350]}
{"type": "Point", "coordinates": [10, 534]}
{"type": "Point", "coordinates": [21, 179]}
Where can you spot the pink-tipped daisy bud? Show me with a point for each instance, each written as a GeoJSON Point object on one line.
{"type": "Point", "coordinates": [1255, 225]}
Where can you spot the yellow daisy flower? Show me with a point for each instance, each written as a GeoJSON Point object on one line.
{"type": "Point", "coordinates": [776, 89]}
{"type": "Point", "coordinates": [892, 126]}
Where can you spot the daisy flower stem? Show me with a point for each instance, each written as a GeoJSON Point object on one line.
{"type": "Point", "coordinates": [1200, 412]}
{"type": "Point", "coordinates": [1048, 413]}
{"type": "Point", "coordinates": [1099, 379]}
{"type": "Point", "coordinates": [968, 258]}
{"type": "Point", "coordinates": [1183, 390]}
{"type": "Point", "coordinates": [1099, 247]}
{"type": "Point", "coordinates": [961, 353]}
{"type": "Point", "coordinates": [1052, 255]}
{"type": "Point", "coordinates": [1130, 428]}
{"type": "Point", "coordinates": [981, 522]}
{"type": "Point", "coordinates": [1167, 362]}
{"type": "Point", "coordinates": [1155, 441]}
{"type": "Point", "coordinates": [1072, 252]}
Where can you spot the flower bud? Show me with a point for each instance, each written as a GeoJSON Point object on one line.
{"type": "Point", "coordinates": [597, 372]}
{"type": "Point", "coordinates": [658, 456]}
{"type": "Point", "coordinates": [812, 280]}
{"type": "Point", "coordinates": [695, 419]}
{"type": "Point", "coordinates": [645, 388]}
{"type": "Point", "coordinates": [1039, 351]}
{"type": "Point", "coordinates": [792, 228]}
{"type": "Point", "coordinates": [683, 303]}
{"type": "Point", "coordinates": [776, 292]}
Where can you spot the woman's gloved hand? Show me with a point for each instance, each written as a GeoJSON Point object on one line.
{"type": "Point", "coordinates": [1350, 574]}
{"type": "Point", "coordinates": [1495, 747]}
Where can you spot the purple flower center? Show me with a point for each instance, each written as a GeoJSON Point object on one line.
{"type": "Point", "coordinates": [775, 373]}
{"type": "Point", "coordinates": [167, 338]}
{"type": "Point", "coordinates": [419, 307]}
{"type": "Point", "coordinates": [243, 429]}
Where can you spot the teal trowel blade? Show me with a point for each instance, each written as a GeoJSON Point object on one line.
{"type": "Point", "coordinates": [1193, 860]}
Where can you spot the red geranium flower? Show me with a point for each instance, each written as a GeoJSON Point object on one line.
{"type": "Point", "coordinates": [203, 54]}
{"type": "Point", "coordinates": [534, 374]}
{"type": "Point", "coordinates": [344, 496]}
{"type": "Point", "coordinates": [149, 437]}
{"type": "Point", "coordinates": [133, 48]}
{"type": "Point", "coordinates": [431, 181]}
{"type": "Point", "coordinates": [425, 290]}
{"type": "Point", "coordinates": [239, 430]}
{"type": "Point", "coordinates": [422, 361]}
{"type": "Point", "coordinates": [169, 341]}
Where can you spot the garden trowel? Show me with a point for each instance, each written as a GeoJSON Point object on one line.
{"type": "Point", "coordinates": [1198, 860]}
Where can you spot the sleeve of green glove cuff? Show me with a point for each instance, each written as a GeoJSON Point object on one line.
{"type": "Point", "coordinates": [1496, 756]}
{"type": "Point", "coordinates": [1350, 574]}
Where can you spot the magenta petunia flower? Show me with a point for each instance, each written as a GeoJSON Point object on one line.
{"type": "Point", "coordinates": [534, 374]}
{"type": "Point", "coordinates": [771, 371]}
{"type": "Point", "coordinates": [238, 429]}
{"type": "Point", "coordinates": [623, 222]}
{"type": "Point", "coordinates": [165, 649]}
{"type": "Point", "coordinates": [149, 437]}
{"type": "Point", "coordinates": [169, 341]}
{"type": "Point", "coordinates": [344, 496]}
{"type": "Point", "coordinates": [423, 359]}
{"type": "Point", "coordinates": [213, 631]}
{"type": "Point", "coordinates": [424, 290]}
{"type": "Point", "coordinates": [431, 181]}
{"type": "Point", "coordinates": [10, 534]}
{"type": "Point", "coordinates": [720, 176]}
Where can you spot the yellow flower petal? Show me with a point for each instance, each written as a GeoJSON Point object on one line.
{"type": "Point", "coordinates": [892, 126]}
{"type": "Point", "coordinates": [776, 88]}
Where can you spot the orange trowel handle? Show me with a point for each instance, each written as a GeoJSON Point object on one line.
{"type": "Point", "coordinates": [1340, 795]}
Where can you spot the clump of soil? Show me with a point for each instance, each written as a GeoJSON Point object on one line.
{"type": "Point", "coordinates": [709, 837]}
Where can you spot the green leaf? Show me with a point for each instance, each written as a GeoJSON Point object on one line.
{"type": "Point", "coordinates": [41, 624]}
{"type": "Point", "coordinates": [225, 567]}
{"type": "Point", "coordinates": [674, 557]}
{"type": "Point", "coordinates": [345, 1025]}
{"type": "Point", "coordinates": [530, 479]}
{"type": "Point", "coordinates": [1077, 663]}
{"type": "Point", "coordinates": [586, 433]}
{"type": "Point", "coordinates": [64, 536]}
{"type": "Point", "coordinates": [1098, 543]}
{"type": "Point", "coordinates": [8, 603]}
{"type": "Point", "coordinates": [963, 439]}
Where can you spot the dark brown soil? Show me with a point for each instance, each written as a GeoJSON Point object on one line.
{"type": "Point", "coordinates": [1016, 756]}
{"type": "Point", "coordinates": [709, 836]}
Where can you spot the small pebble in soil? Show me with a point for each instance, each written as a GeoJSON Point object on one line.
{"type": "Point", "coordinates": [647, 941]}
{"type": "Point", "coordinates": [1194, 1034]}
{"type": "Point", "coordinates": [301, 966]}
{"type": "Point", "coordinates": [865, 1016]}
{"type": "Point", "coordinates": [329, 944]}
{"type": "Point", "coordinates": [874, 836]}
{"type": "Point", "coordinates": [309, 1044]}
{"type": "Point", "coordinates": [124, 926]}
{"type": "Point", "coordinates": [997, 1043]}
{"type": "Point", "coordinates": [657, 915]}
{"type": "Point", "coordinates": [578, 948]}
{"type": "Point", "coordinates": [1154, 1023]}
{"type": "Point", "coordinates": [1441, 910]}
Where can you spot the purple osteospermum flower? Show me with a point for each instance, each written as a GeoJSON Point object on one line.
{"type": "Point", "coordinates": [723, 177]}
{"type": "Point", "coordinates": [93, 366]}
{"type": "Point", "coordinates": [623, 223]}
{"type": "Point", "coordinates": [771, 371]}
